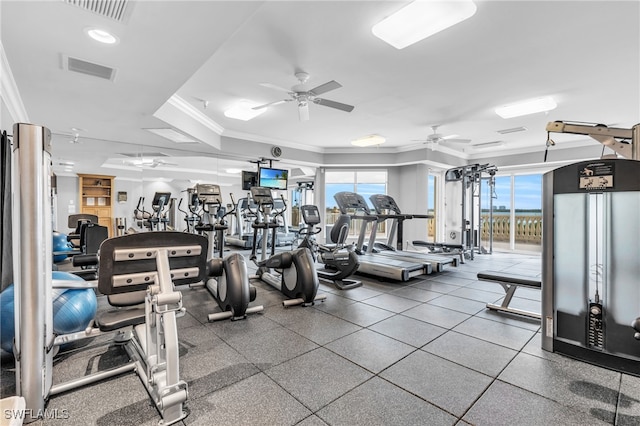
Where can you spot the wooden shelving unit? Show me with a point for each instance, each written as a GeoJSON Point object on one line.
{"type": "Point", "coordinates": [96, 197]}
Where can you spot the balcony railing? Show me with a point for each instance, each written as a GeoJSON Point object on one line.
{"type": "Point", "coordinates": [528, 229]}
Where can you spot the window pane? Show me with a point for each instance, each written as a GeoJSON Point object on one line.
{"type": "Point", "coordinates": [431, 207]}
{"type": "Point", "coordinates": [528, 212]}
{"type": "Point", "coordinates": [372, 177]}
{"type": "Point", "coordinates": [501, 212]}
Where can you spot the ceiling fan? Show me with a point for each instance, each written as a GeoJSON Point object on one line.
{"type": "Point", "coordinates": [303, 97]}
{"type": "Point", "coordinates": [434, 139]}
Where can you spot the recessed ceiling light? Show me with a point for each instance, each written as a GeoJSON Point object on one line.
{"type": "Point", "coordinates": [244, 111]}
{"type": "Point", "coordinates": [173, 135]}
{"type": "Point", "coordinates": [421, 19]}
{"type": "Point", "coordinates": [369, 140]}
{"type": "Point", "coordinates": [101, 36]}
{"type": "Point", "coordinates": [527, 107]}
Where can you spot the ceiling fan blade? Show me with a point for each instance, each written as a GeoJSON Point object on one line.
{"type": "Point", "coordinates": [275, 87]}
{"type": "Point", "coordinates": [303, 111]}
{"type": "Point", "coordinates": [272, 103]}
{"type": "Point", "coordinates": [333, 104]}
{"type": "Point", "coordinates": [324, 88]}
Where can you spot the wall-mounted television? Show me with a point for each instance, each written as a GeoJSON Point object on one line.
{"type": "Point", "coordinates": [273, 178]}
{"type": "Point", "coordinates": [249, 179]}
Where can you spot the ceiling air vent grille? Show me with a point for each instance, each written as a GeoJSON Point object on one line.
{"type": "Point", "coordinates": [112, 9]}
{"type": "Point", "coordinates": [143, 154]}
{"type": "Point", "coordinates": [512, 130]}
{"type": "Point", "coordinates": [89, 68]}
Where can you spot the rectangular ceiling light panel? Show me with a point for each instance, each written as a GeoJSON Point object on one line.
{"type": "Point", "coordinates": [421, 19]}
{"type": "Point", "coordinates": [527, 107]}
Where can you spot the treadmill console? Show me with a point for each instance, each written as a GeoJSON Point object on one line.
{"type": "Point", "coordinates": [350, 200]}
{"type": "Point", "coordinates": [383, 202]}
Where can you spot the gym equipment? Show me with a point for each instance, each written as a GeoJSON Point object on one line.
{"type": "Point", "coordinates": [228, 280]}
{"type": "Point", "coordinates": [194, 215]}
{"type": "Point", "coordinates": [75, 221]}
{"type": "Point", "coordinates": [386, 208]}
{"type": "Point", "coordinates": [73, 308]}
{"type": "Point", "coordinates": [510, 283]}
{"type": "Point", "coordinates": [244, 216]}
{"type": "Point", "coordinates": [591, 247]}
{"type": "Point", "coordinates": [140, 216]}
{"type": "Point", "coordinates": [61, 247]}
{"type": "Point", "coordinates": [371, 263]}
{"type": "Point", "coordinates": [339, 259]}
{"type": "Point", "coordinates": [298, 278]}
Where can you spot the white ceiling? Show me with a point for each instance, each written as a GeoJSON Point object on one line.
{"type": "Point", "coordinates": [586, 54]}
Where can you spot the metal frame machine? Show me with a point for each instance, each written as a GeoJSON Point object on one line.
{"type": "Point", "coordinates": [591, 248]}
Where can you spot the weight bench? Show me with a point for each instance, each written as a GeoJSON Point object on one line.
{"type": "Point", "coordinates": [510, 282]}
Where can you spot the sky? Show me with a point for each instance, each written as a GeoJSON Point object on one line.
{"type": "Point", "coordinates": [528, 194]}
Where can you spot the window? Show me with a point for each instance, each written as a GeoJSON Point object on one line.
{"type": "Point", "coordinates": [432, 194]}
{"type": "Point", "coordinates": [365, 183]}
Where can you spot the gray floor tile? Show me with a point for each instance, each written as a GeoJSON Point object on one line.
{"type": "Point", "coordinates": [312, 421]}
{"type": "Point", "coordinates": [408, 330]}
{"type": "Point", "coordinates": [628, 410]}
{"type": "Point", "coordinates": [571, 383]}
{"type": "Point", "coordinates": [360, 293]}
{"type": "Point", "coordinates": [510, 319]}
{"type": "Point", "coordinates": [436, 315]}
{"type": "Point", "coordinates": [361, 314]}
{"type": "Point", "coordinates": [378, 402]}
{"type": "Point", "coordinates": [459, 304]}
{"type": "Point", "coordinates": [272, 347]}
{"type": "Point", "coordinates": [503, 404]}
{"type": "Point", "coordinates": [327, 376]}
{"type": "Point", "coordinates": [435, 286]}
{"type": "Point", "coordinates": [474, 353]}
{"type": "Point", "coordinates": [455, 279]}
{"type": "Point", "coordinates": [338, 304]}
{"type": "Point", "coordinates": [253, 325]}
{"type": "Point", "coordinates": [323, 328]}
{"type": "Point", "coordinates": [417, 294]}
{"type": "Point", "coordinates": [447, 385]}
{"type": "Point", "coordinates": [357, 347]}
{"type": "Point", "coordinates": [476, 294]}
{"type": "Point", "coordinates": [255, 400]}
{"type": "Point", "coordinates": [391, 302]}
{"type": "Point", "coordinates": [495, 332]}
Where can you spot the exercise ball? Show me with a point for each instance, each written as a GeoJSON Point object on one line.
{"type": "Point", "coordinates": [73, 309]}
{"type": "Point", "coordinates": [60, 243]}
{"type": "Point", "coordinates": [6, 319]}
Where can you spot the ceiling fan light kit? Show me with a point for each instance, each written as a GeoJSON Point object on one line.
{"type": "Point", "coordinates": [421, 19]}
{"type": "Point", "coordinates": [527, 107]}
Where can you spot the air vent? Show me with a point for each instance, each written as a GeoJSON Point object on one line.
{"type": "Point", "coordinates": [512, 130]}
{"type": "Point", "coordinates": [143, 154]}
{"type": "Point", "coordinates": [89, 68]}
{"type": "Point", "coordinates": [112, 9]}
{"type": "Point", "coordinates": [487, 144]}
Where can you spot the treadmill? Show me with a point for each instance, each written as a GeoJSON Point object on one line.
{"type": "Point", "coordinates": [387, 208]}
{"type": "Point", "coordinates": [371, 263]}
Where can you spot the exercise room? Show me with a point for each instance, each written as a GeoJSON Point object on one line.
{"type": "Point", "coordinates": [317, 212]}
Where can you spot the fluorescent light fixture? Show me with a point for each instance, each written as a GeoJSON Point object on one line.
{"type": "Point", "coordinates": [527, 107]}
{"type": "Point", "coordinates": [370, 140]}
{"type": "Point", "coordinates": [421, 19]}
{"type": "Point", "coordinates": [233, 171]}
{"type": "Point", "coordinates": [244, 111]}
{"type": "Point", "coordinates": [101, 35]}
{"type": "Point", "coordinates": [173, 135]}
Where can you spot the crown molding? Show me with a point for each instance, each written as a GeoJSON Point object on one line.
{"type": "Point", "coordinates": [9, 91]}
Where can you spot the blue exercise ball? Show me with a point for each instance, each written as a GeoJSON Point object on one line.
{"type": "Point", "coordinates": [60, 243]}
{"type": "Point", "coordinates": [73, 309]}
{"type": "Point", "coordinates": [7, 319]}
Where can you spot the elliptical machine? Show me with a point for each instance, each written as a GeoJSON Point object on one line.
{"type": "Point", "coordinates": [228, 280]}
{"type": "Point", "coordinates": [296, 277]}
{"type": "Point", "coordinates": [340, 260]}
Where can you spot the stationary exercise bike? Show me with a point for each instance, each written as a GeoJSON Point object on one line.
{"type": "Point", "coordinates": [340, 260]}
{"type": "Point", "coordinates": [296, 275]}
{"type": "Point", "coordinates": [228, 280]}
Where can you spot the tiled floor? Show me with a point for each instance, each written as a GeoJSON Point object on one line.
{"type": "Point", "coordinates": [425, 352]}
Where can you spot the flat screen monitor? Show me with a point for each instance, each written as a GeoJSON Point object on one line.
{"type": "Point", "coordinates": [249, 179]}
{"type": "Point", "coordinates": [273, 178]}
